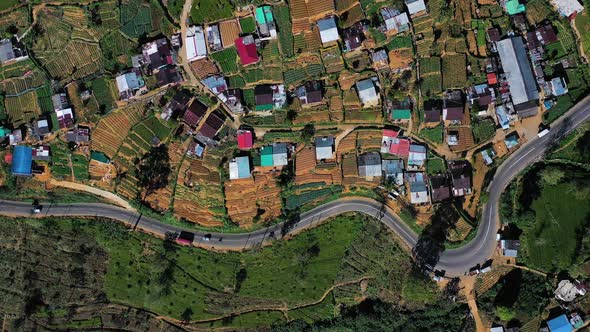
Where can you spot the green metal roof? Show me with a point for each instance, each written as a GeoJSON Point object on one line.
{"type": "Point", "coordinates": [266, 156]}
{"type": "Point", "coordinates": [265, 107]}
{"type": "Point", "coordinates": [401, 114]}
{"type": "Point", "coordinates": [513, 7]}
{"type": "Point", "coordinates": [263, 15]}
{"type": "Point", "coordinates": [99, 156]}
{"type": "Point", "coordinates": [4, 132]}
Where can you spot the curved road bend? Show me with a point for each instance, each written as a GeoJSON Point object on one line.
{"type": "Point", "coordinates": [454, 261]}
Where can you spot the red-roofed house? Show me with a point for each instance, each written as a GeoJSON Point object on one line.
{"type": "Point", "coordinates": [244, 139]}
{"type": "Point", "coordinates": [8, 158]}
{"type": "Point", "coordinates": [492, 79]}
{"type": "Point", "coordinates": [247, 50]}
{"type": "Point", "coordinates": [389, 136]}
{"type": "Point", "coordinates": [400, 147]}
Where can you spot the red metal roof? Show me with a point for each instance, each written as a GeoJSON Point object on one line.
{"type": "Point", "coordinates": [492, 79]}
{"type": "Point", "coordinates": [8, 158]}
{"type": "Point", "coordinates": [400, 148]}
{"type": "Point", "coordinates": [247, 53]}
{"type": "Point", "coordinates": [244, 139]}
{"type": "Point", "coordinates": [390, 133]}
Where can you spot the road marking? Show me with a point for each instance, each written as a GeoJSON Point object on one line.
{"type": "Point", "coordinates": [524, 155]}
{"type": "Point", "coordinates": [487, 230]}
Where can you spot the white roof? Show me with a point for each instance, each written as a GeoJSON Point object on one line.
{"type": "Point", "coordinates": [233, 170]}
{"type": "Point", "coordinates": [497, 329]}
{"type": "Point", "coordinates": [415, 6]}
{"type": "Point", "coordinates": [122, 83]}
{"type": "Point", "coordinates": [153, 48]}
{"type": "Point", "coordinates": [328, 30]}
{"type": "Point", "coordinates": [323, 152]}
{"type": "Point", "coordinates": [195, 44]}
{"type": "Point", "coordinates": [567, 7]}
{"type": "Point", "coordinates": [416, 158]}
{"type": "Point", "coordinates": [279, 159]}
{"type": "Point", "coordinates": [64, 112]}
{"type": "Point", "coordinates": [419, 197]}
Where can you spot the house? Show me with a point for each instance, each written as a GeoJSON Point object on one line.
{"type": "Point", "coordinates": [576, 321]}
{"type": "Point", "coordinates": [546, 34]}
{"type": "Point", "coordinates": [519, 76]}
{"type": "Point", "coordinates": [269, 97]}
{"type": "Point", "coordinates": [266, 24]}
{"type": "Point", "coordinates": [393, 169]}
{"type": "Point", "coordinates": [511, 140]}
{"type": "Point", "coordinates": [418, 189]}
{"type": "Point", "coordinates": [233, 100]}
{"type": "Point", "coordinates": [60, 101]}
{"type": "Point", "coordinates": [369, 165]}
{"type": "Point", "coordinates": [567, 291]}
{"type": "Point", "coordinates": [488, 155]}
{"type": "Point", "coordinates": [215, 83]}
{"type": "Point", "coordinates": [400, 147]}
{"type": "Point", "coordinates": [432, 111]}
{"type": "Point", "coordinates": [558, 86]}
{"type": "Point", "coordinates": [167, 75]}
{"type": "Point", "coordinates": [568, 8]}
{"type": "Point", "coordinates": [510, 247]}
{"type": "Point", "coordinates": [78, 135]}
{"type": "Point", "coordinates": [513, 7]}
{"type": "Point", "coordinates": [492, 78]}
{"type": "Point", "coordinates": [482, 94]}
{"type": "Point", "coordinates": [310, 93]}
{"type": "Point", "coordinates": [176, 105]}
{"type": "Point", "coordinates": [212, 125]}
{"type": "Point", "coordinates": [324, 148]}
{"type": "Point", "coordinates": [389, 137]}
{"type": "Point", "coordinates": [17, 136]}
{"type": "Point", "coordinates": [22, 161]}
{"type": "Point", "coordinates": [65, 118]}
{"type": "Point", "coordinates": [367, 92]}
{"type": "Point", "coordinates": [380, 60]}
{"type": "Point", "coordinates": [417, 156]}
{"type": "Point", "coordinates": [328, 30]}
{"type": "Point", "coordinates": [460, 177]}
{"type": "Point", "coordinates": [239, 168]}
{"type": "Point", "coordinates": [245, 140]}
{"type": "Point", "coordinates": [10, 52]}
{"type": "Point", "coordinates": [416, 7]}
{"type": "Point", "coordinates": [395, 22]}
{"type": "Point", "coordinates": [194, 43]}
{"type": "Point", "coordinates": [439, 188]}
{"type": "Point", "coordinates": [157, 54]}
{"type": "Point", "coordinates": [214, 37]}
{"type": "Point", "coordinates": [246, 48]}
{"type": "Point", "coordinates": [353, 36]}
{"type": "Point", "coordinates": [194, 113]}
{"type": "Point", "coordinates": [502, 116]}
{"type": "Point", "coordinates": [128, 84]}
{"type": "Point", "coordinates": [400, 111]}
{"type": "Point", "coordinates": [279, 154]}
{"type": "Point", "coordinates": [41, 153]}
{"type": "Point", "coordinates": [493, 35]}
{"type": "Point", "coordinates": [453, 107]}
{"type": "Point", "coordinates": [266, 156]}
{"type": "Point", "coordinates": [560, 324]}
{"type": "Point", "coordinates": [41, 128]}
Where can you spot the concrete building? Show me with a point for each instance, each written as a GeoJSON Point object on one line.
{"type": "Point", "coordinates": [324, 147]}
{"type": "Point", "coordinates": [239, 168]}
{"type": "Point", "coordinates": [195, 45]}
{"type": "Point", "coordinates": [328, 30]}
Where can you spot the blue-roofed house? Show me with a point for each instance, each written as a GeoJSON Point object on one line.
{"type": "Point", "coordinates": [502, 116]}
{"type": "Point", "coordinates": [417, 156]}
{"type": "Point", "coordinates": [239, 168]}
{"type": "Point", "coordinates": [328, 30]}
{"type": "Point", "coordinates": [128, 84]}
{"type": "Point", "coordinates": [560, 324]}
{"type": "Point", "coordinates": [393, 169]}
{"type": "Point", "coordinates": [367, 92]}
{"type": "Point", "coordinates": [418, 189]}
{"type": "Point", "coordinates": [22, 161]}
{"type": "Point", "coordinates": [558, 86]}
{"type": "Point", "coordinates": [215, 83]}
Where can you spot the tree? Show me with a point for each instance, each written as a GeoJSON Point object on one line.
{"type": "Point", "coordinates": [551, 176]}
{"type": "Point", "coordinates": [153, 169]}
{"type": "Point", "coordinates": [308, 131]}
{"type": "Point", "coordinates": [583, 145]}
{"type": "Point", "coordinates": [186, 315]}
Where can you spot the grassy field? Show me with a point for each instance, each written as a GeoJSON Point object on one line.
{"type": "Point", "coordinates": [435, 165]}
{"type": "Point", "coordinates": [483, 130]}
{"type": "Point", "coordinates": [582, 23]}
{"type": "Point", "coordinates": [248, 24]}
{"type": "Point", "coordinates": [434, 135]}
{"type": "Point", "coordinates": [5, 4]}
{"type": "Point", "coordinates": [210, 10]}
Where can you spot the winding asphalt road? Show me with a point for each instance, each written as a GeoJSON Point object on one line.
{"type": "Point", "coordinates": [454, 262]}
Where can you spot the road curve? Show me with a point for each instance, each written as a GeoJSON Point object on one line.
{"type": "Point", "coordinates": [454, 261]}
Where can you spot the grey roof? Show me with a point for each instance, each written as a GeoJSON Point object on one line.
{"type": "Point", "coordinates": [392, 166]}
{"type": "Point", "coordinates": [327, 23]}
{"type": "Point", "coordinates": [365, 84]}
{"type": "Point", "coordinates": [518, 70]}
{"type": "Point", "coordinates": [417, 187]}
{"type": "Point", "coordinates": [324, 141]}
{"type": "Point", "coordinates": [6, 52]}
{"type": "Point", "coordinates": [369, 164]}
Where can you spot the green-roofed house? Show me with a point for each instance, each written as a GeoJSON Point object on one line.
{"type": "Point", "coordinates": [399, 111]}
{"type": "Point", "coordinates": [266, 24]}
{"type": "Point", "coordinates": [266, 156]}
{"type": "Point", "coordinates": [514, 7]}
{"type": "Point", "coordinates": [100, 157]}
{"type": "Point", "coordinates": [4, 132]}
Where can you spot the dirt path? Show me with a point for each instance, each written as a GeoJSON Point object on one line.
{"type": "Point", "coordinates": [468, 284]}
{"type": "Point", "coordinates": [527, 269]}
{"type": "Point", "coordinates": [95, 191]}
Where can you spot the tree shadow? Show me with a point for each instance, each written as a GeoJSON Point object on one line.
{"type": "Point", "coordinates": [292, 217]}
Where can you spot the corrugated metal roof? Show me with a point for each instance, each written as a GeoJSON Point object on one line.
{"type": "Point", "coordinates": [518, 70]}
{"type": "Point", "coordinates": [22, 160]}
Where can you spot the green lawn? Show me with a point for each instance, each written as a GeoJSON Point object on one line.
{"type": "Point", "coordinates": [560, 210]}
{"type": "Point", "coordinates": [210, 10]}
{"type": "Point", "coordinates": [5, 4]}
{"type": "Point", "coordinates": [435, 165]}
{"type": "Point", "coordinates": [434, 135]}
{"type": "Point", "coordinates": [582, 23]}
{"type": "Point", "coordinates": [483, 130]}
{"type": "Point", "coordinates": [248, 24]}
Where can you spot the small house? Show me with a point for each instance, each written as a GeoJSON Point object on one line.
{"type": "Point", "coordinates": [395, 22]}
{"type": "Point", "coordinates": [328, 30]}
{"type": "Point", "coordinates": [41, 153]}
{"type": "Point", "coordinates": [310, 93]}
{"type": "Point", "coordinates": [546, 34]}
{"type": "Point", "coordinates": [481, 94]}
{"type": "Point", "coordinates": [266, 24]}
{"type": "Point", "coordinates": [266, 156]}
{"type": "Point", "coordinates": [511, 140]}
{"type": "Point", "coordinates": [324, 148]}
{"type": "Point", "coordinates": [568, 8]}
{"type": "Point", "coordinates": [567, 291]}
{"type": "Point", "coordinates": [369, 165]}
{"type": "Point", "coordinates": [367, 92]}
{"type": "Point", "coordinates": [176, 105]}
{"type": "Point", "coordinates": [245, 140]}
{"type": "Point", "coordinates": [233, 100]}
{"type": "Point", "coordinates": [439, 188]}
{"type": "Point", "coordinates": [502, 116]}
{"type": "Point", "coordinates": [417, 156]}
{"type": "Point", "coordinates": [460, 177]}
{"type": "Point", "coordinates": [41, 128]}
{"type": "Point", "coordinates": [400, 147]}
{"type": "Point", "coordinates": [488, 156]}
{"type": "Point", "coordinates": [514, 7]}
{"type": "Point", "coordinates": [279, 154]}
{"type": "Point", "coordinates": [432, 111]}
{"type": "Point", "coordinates": [560, 324]}
{"type": "Point", "coordinates": [389, 138]}
{"type": "Point", "coordinates": [247, 51]}
{"type": "Point", "coordinates": [65, 118]}
{"type": "Point", "coordinates": [268, 97]}
{"type": "Point", "coordinates": [10, 51]}
{"type": "Point", "coordinates": [510, 247]}
{"type": "Point", "coordinates": [17, 135]}
{"type": "Point", "coordinates": [239, 168]}
{"type": "Point", "coordinates": [400, 111]}
{"type": "Point", "coordinates": [157, 54]}
{"type": "Point", "coordinates": [453, 107]}
{"type": "Point", "coordinates": [418, 189]}
{"type": "Point", "coordinates": [380, 60]}
{"type": "Point", "coordinates": [416, 7]}
{"type": "Point", "coordinates": [215, 83]}
{"type": "Point", "coordinates": [212, 125]}
{"type": "Point", "coordinates": [194, 113]}
{"type": "Point", "coordinates": [128, 84]}
{"type": "Point", "coordinates": [60, 101]}
{"type": "Point", "coordinates": [195, 45]}
{"type": "Point", "coordinates": [167, 75]}
{"type": "Point", "coordinates": [22, 161]}
{"type": "Point", "coordinates": [214, 37]}
{"type": "Point", "coordinates": [78, 135]}
{"type": "Point", "coordinates": [393, 170]}
{"type": "Point", "coordinates": [493, 35]}
{"type": "Point", "coordinates": [558, 86]}
{"type": "Point", "coordinates": [353, 37]}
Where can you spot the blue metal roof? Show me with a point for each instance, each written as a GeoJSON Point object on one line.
{"type": "Point", "coordinates": [22, 160]}
{"type": "Point", "coordinates": [327, 24]}
{"type": "Point", "coordinates": [560, 324]}
{"type": "Point", "coordinates": [243, 167]}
